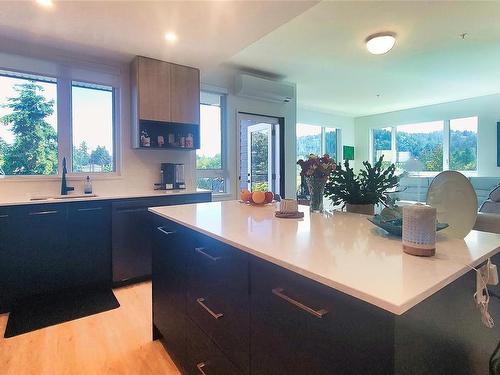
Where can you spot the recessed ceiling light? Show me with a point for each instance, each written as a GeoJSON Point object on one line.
{"type": "Point", "coordinates": [45, 3]}
{"type": "Point", "coordinates": [380, 43]}
{"type": "Point", "coordinates": [170, 37]}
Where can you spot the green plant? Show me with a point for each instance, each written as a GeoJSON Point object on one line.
{"type": "Point", "coordinates": [260, 186]}
{"type": "Point", "coordinates": [368, 187]}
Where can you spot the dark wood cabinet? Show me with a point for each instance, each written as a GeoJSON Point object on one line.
{"type": "Point", "coordinates": [10, 261]}
{"type": "Point", "coordinates": [217, 297]}
{"type": "Point", "coordinates": [170, 254]}
{"type": "Point", "coordinates": [89, 243]}
{"type": "Point", "coordinates": [242, 315]}
{"type": "Point", "coordinates": [131, 242]}
{"type": "Point", "coordinates": [132, 233]}
{"type": "Point", "coordinates": [203, 357]}
{"type": "Point", "coordinates": [42, 249]}
{"type": "Point", "coordinates": [48, 247]}
{"type": "Point", "coordinates": [302, 327]}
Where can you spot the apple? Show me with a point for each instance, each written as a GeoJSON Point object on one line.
{"type": "Point", "coordinates": [269, 197]}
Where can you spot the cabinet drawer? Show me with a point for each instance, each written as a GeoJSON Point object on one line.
{"type": "Point", "coordinates": [302, 327]}
{"type": "Point", "coordinates": [218, 300]}
{"type": "Point", "coordinates": [215, 265]}
{"type": "Point", "coordinates": [203, 356]}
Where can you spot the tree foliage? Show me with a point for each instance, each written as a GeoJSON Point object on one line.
{"type": "Point", "coordinates": [428, 148]}
{"type": "Point", "coordinates": [208, 162]}
{"type": "Point", "coordinates": [81, 157]}
{"type": "Point", "coordinates": [34, 150]}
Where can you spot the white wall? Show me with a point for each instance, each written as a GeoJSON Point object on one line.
{"type": "Point", "coordinates": [138, 170]}
{"type": "Point", "coordinates": [487, 108]}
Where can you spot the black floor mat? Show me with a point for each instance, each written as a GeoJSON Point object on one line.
{"type": "Point", "coordinates": [44, 311]}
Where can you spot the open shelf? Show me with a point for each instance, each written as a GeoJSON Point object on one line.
{"type": "Point", "coordinates": [168, 130]}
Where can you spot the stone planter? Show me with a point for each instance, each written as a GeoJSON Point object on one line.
{"type": "Point", "coordinates": [365, 209]}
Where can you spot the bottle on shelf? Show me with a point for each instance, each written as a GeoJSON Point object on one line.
{"type": "Point", "coordinates": [189, 141]}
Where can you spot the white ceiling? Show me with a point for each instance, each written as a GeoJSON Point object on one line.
{"type": "Point", "coordinates": [323, 51]}
{"type": "Point", "coordinates": [209, 32]}
{"type": "Point", "coordinates": [318, 46]}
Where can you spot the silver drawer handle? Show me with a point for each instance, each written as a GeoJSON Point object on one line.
{"type": "Point", "coordinates": [43, 213]}
{"type": "Point", "coordinates": [162, 229]}
{"type": "Point", "coordinates": [317, 313]}
{"type": "Point", "coordinates": [201, 250]}
{"type": "Point", "coordinates": [201, 302]}
{"type": "Point", "coordinates": [90, 209]}
{"type": "Point", "coordinates": [200, 367]}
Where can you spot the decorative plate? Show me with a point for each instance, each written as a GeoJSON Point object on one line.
{"type": "Point", "coordinates": [395, 227]}
{"type": "Point", "coordinates": [455, 200]}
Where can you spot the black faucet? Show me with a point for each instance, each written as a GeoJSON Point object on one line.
{"type": "Point", "coordinates": [64, 186]}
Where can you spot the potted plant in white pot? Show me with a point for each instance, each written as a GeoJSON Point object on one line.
{"type": "Point", "coordinates": [360, 193]}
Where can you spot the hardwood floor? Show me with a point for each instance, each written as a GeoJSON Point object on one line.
{"type": "Point", "coordinates": [113, 342]}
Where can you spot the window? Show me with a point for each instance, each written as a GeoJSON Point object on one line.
{"type": "Point", "coordinates": [429, 147]}
{"type": "Point", "coordinates": [308, 140]}
{"type": "Point", "coordinates": [32, 143]}
{"type": "Point", "coordinates": [463, 144]}
{"type": "Point", "coordinates": [92, 120]}
{"type": "Point", "coordinates": [318, 140]}
{"type": "Point", "coordinates": [210, 163]}
{"type": "Point", "coordinates": [28, 125]}
{"type": "Point", "coordinates": [331, 142]}
{"type": "Point", "coordinates": [381, 139]}
{"type": "Point", "coordinates": [419, 147]}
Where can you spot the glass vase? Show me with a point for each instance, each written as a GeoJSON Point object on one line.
{"type": "Point", "coordinates": [316, 186]}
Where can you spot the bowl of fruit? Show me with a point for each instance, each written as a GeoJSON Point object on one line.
{"type": "Point", "coordinates": [256, 198]}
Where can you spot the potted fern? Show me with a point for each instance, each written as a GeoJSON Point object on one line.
{"type": "Point", "coordinates": [360, 193]}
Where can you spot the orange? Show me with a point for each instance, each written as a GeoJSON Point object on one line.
{"type": "Point", "coordinates": [259, 197]}
{"type": "Point", "coordinates": [245, 195]}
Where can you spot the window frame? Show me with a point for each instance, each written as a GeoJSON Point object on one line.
{"type": "Point", "coordinates": [63, 109]}
{"type": "Point", "coordinates": [222, 172]}
{"type": "Point", "coordinates": [339, 150]}
{"type": "Point", "coordinates": [446, 146]}
{"type": "Point", "coordinates": [113, 129]}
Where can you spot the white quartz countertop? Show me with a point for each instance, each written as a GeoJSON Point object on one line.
{"type": "Point", "coordinates": [340, 250]}
{"type": "Point", "coordinates": [81, 197]}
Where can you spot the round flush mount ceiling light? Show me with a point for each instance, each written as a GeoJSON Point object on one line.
{"type": "Point", "coordinates": [380, 43]}
{"type": "Point", "coordinates": [170, 37]}
{"type": "Point", "coordinates": [45, 3]}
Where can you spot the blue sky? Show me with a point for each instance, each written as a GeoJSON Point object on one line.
{"type": "Point", "coordinates": [92, 112]}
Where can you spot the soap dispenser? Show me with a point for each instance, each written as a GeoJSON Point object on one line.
{"type": "Point", "coordinates": [87, 186]}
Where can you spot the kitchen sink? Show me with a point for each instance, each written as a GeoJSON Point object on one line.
{"type": "Point", "coordinates": [73, 196]}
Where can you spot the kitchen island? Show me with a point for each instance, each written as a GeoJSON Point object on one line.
{"type": "Point", "coordinates": [325, 294]}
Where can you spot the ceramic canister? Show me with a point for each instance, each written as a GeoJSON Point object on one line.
{"type": "Point", "coordinates": [289, 205]}
{"type": "Point", "coordinates": [419, 230]}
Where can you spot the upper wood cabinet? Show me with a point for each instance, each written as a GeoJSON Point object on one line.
{"type": "Point", "coordinates": [184, 94]}
{"type": "Point", "coordinates": [165, 92]}
{"type": "Point", "coordinates": [153, 89]}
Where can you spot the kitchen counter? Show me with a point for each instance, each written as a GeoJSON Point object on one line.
{"type": "Point", "coordinates": [343, 251]}
{"type": "Point", "coordinates": [144, 194]}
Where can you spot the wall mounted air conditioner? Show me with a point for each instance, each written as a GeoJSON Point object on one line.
{"type": "Point", "coordinates": [263, 89]}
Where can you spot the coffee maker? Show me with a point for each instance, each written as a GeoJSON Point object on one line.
{"type": "Point", "coordinates": [172, 176]}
